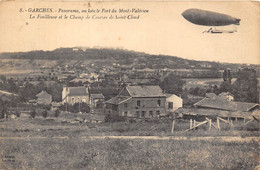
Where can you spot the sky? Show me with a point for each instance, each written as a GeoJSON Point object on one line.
{"type": "Point", "coordinates": [161, 31]}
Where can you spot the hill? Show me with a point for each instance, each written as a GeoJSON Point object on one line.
{"type": "Point", "coordinates": [120, 56]}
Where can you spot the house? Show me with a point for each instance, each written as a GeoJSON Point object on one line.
{"type": "Point", "coordinates": [138, 101]}
{"type": "Point", "coordinates": [44, 98]}
{"type": "Point", "coordinates": [226, 96]}
{"type": "Point", "coordinates": [96, 100]}
{"type": "Point", "coordinates": [72, 95]}
{"type": "Point", "coordinates": [173, 102]}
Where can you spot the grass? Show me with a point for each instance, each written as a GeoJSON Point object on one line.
{"type": "Point", "coordinates": [49, 127]}
{"type": "Point", "coordinates": [32, 152]}
{"type": "Point", "coordinates": [75, 153]}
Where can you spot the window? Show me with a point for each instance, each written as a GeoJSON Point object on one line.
{"type": "Point", "coordinates": [150, 114]}
{"type": "Point", "coordinates": [72, 100]}
{"type": "Point", "coordinates": [125, 114]}
{"type": "Point", "coordinates": [137, 114]}
{"type": "Point", "coordinates": [138, 103]}
{"type": "Point", "coordinates": [158, 102]}
{"type": "Point", "coordinates": [78, 99]}
{"type": "Point", "coordinates": [125, 105]}
{"type": "Point", "coordinates": [143, 114]}
{"type": "Point", "coordinates": [170, 105]}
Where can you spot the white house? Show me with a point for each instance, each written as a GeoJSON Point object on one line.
{"type": "Point", "coordinates": [72, 95]}
{"type": "Point", "coordinates": [173, 102]}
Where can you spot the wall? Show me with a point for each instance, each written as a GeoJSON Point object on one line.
{"type": "Point", "coordinates": [176, 101]}
{"type": "Point", "coordinates": [147, 106]}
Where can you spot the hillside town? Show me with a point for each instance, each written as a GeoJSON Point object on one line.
{"type": "Point", "coordinates": [132, 91]}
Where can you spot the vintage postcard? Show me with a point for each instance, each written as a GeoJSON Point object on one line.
{"type": "Point", "coordinates": [129, 85]}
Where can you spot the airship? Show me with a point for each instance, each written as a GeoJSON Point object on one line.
{"type": "Point", "coordinates": [209, 18]}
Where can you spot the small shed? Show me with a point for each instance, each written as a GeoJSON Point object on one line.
{"type": "Point", "coordinates": [97, 100]}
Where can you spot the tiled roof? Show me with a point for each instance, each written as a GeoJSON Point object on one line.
{"type": "Point", "coordinates": [75, 91]}
{"type": "Point", "coordinates": [145, 91]}
{"type": "Point", "coordinates": [169, 95]}
{"type": "Point", "coordinates": [217, 103]}
{"type": "Point", "coordinates": [97, 96]}
{"type": "Point", "coordinates": [118, 99]}
{"type": "Point", "coordinates": [214, 112]}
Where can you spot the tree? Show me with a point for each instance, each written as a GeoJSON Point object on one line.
{"type": "Point", "coordinates": [33, 113]}
{"type": "Point", "coordinates": [245, 87]}
{"type": "Point", "coordinates": [172, 84]}
{"type": "Point", "coordinates": [55, 91]}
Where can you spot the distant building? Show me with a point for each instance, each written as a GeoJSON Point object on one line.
{"type": "Point", "coordinates": [138, 101]}
{"type": "Point", "coordinates": [44, 98]}
{"type": "Point", "coordinates": [226, 96]}
{"type": "Point", "coordinates": [96, 100]}
{"type": "Point", "coordinates": [173, 102]}
{"type": "Point", "coordinates": [72, 95]}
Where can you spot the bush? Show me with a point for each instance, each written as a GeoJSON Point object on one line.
{"type": "Point", "coordinates": [44, 113]}
{"type": "Point", "coordinates": [75, 108]}
{"type": "Point", "coordinates": [17, 113]}
{"type": "Point", "coordinates": [114, 118]}
{"type": "Point", "coordinates": [57, 113]}
{"type": "Point", "coordinates": [252, 126]}
{"type": "Point", "coordinates": [33, 113]}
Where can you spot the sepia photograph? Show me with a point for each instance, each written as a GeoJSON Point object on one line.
{"type": "Point", "coordinates": [130, 85]}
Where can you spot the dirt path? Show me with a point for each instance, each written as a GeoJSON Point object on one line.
{"type": "Point", "coordinates": [208, 138]}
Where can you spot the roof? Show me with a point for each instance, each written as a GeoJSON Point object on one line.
{"type": "Point", "coordinates": [170, 95]}
{"type": "Point", "coordinates": [210, 95]}
{"type": "Point", "coordinates": [43, 94]}
{"type": "Point", "coordinates": [214, 112]}
{"type": "Point", "coordinates": [118, 99]}
{"type": "Point", "coordinates": [77, 91]}
{"type": "Point", "coordinates": [221, 104]}
{"type": "Point", "coordinates": [97, 96]}
{"type": "Point", "coordinates": [145, 91]}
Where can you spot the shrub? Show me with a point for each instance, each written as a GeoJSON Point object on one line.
{"type": "Point", "coordinates": [33, 113]}
{"type": "Point", "coordinates": [44, 113]}
{"type": "Point", "coordinates": [57, 113]}
{"type": "Point", "coordinates": [17, 113]}
{"type": "Point", "coordinates": [114, 118]}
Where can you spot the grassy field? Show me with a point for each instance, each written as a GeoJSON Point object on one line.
{"type": "Point", "coordinates": [52, 126]}
{"type": "Point", "coordinates": [46, 144]}
{"type": "Point", "coordinates": [74, 153]}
